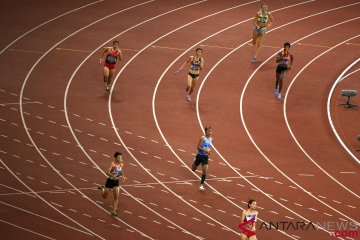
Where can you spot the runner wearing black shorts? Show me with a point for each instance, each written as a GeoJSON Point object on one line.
{"type": "Point", "coordinates": [114, 172]}
{"type": "Point", "coordinates": [204, 148]}
{"type": "Point", "coordinates": [284, 60]}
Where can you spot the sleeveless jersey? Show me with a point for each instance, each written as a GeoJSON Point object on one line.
{"type": "Point", "coordinates": [285, 59]}
{"type": "Point", "coordinates": [195, 65]}
{"type": "Point", "coordinates": [205, 144]}
{"type": "Point", "coordinates": [111, 57]}
{"type": "Point", "coordinates": [250, 216]}
{"type": "Point", "coordinates": [261, 18]}
{"type": "Point", "coordinates": [116, 170]}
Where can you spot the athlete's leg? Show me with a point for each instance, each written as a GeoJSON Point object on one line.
{"type": "Point", "coordinates": [188, 82]}
{"type": "Point", "coordinates": [277, 80]}
{"type": "Point", "coordinates": [104, 192]}
{"type": "Point", "coordinates": [204, 171]}
{"type": "Point", "coordinates": [255, 35]}
{"type": "Point", "coordinates": [193, 85]}
{"type": "Point", "coordinates": [243, 237]}
{"type": "Point", "coordinates": [281, 78]}
{"type": "Point", "coordinates": [259, 40]}
{"type": "Point", "coordinates": [106, 74]}
{"type": "Point", "coordinates": [116, 198]}
{"type": "Point", "coordinates": [111, 73]}
{"type": "Point", "coordinates": [252, 238]}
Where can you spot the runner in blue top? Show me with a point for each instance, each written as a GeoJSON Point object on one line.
{"type": "Point", "coordinates": [197, 64]}
{"type": "Point", "coordinates": [204, 148]}
{"type": "Point", "coordinates": [284, 60]}
{"type": "Point", "coordinates": [261, 23]}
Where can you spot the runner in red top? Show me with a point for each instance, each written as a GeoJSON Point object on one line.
{"type": "Point", "coordinates": [113, 54]}
{"type": "Point", "coordinates": [284, 60]}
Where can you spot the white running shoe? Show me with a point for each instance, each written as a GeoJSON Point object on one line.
{"type": "Point", "coordinates": [188, 98]}
{"type": "Point", "coordinates": [279, 96]}
{"type": "Point", "coordinates": [276, 91]}
{"type": "Point", "coordinates": [201, 188]}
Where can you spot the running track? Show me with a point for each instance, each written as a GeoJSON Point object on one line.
{"type": "Point", "coordinates": [59, 129]}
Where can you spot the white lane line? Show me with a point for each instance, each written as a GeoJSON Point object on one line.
{"type": "Point", "coordinates": [56, 204]}
{"type": "Point", "coordinates": [157, 157]}
{"type": "Point", "coordinates": [154, 141]}
{"type": "Point", "coordinates": [19, 191]}
{"type": "Point", "coordinates": [28, 230]}
{"type": "Point", "coordinates": [328, 214]}
{"type": "Point", "coordinates": [42, 217]}
{"type": "Point", "coordinates": [306, 175]}
{"type": "Point", "coordinates": [313, 209]}
{"type": "Point", "coordinates": [298, 204]}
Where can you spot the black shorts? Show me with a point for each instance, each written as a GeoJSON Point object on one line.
{"type": "Point", "coordinates": [203, 159]}
{"type": "Point", "coordinates": [193, 75]}
{"type": "Point", "coordinates": [281, 68]}
{"type": "Point", "coordinates": [111, 183]}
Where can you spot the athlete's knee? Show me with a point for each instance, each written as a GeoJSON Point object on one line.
{"type": "Point", "coordinates": [193, 167]}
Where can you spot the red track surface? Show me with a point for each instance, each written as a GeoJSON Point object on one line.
{"type": "Point", "coordinates": [57, 124]}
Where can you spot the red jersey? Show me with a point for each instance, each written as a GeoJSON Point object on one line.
{"type": "Point", "coordinates": [111, 56]}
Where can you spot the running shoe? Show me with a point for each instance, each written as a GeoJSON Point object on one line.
{"type": "Point", "coordinates": [114, 214]}
{"type": "Point", "coordinates": [101, 187]}
{"type": "Point", "coordinates": [279, 96]}
{"type": "Point", "coordinates": [188, 98]}
{"type": "Point", "coordinates": [253, 60]}
{"type": "Point", "coordinates": [276, 91]}
{"type": "Point", "coordinates": [201, 188]}
{"type": "Point", "coordinates": [107, 88]}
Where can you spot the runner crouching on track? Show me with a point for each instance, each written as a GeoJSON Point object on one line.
{"type": "Point", "coordinates": [284, 60]}
{"type": "Point", "coordinates": [204, 148]}
{"type": "Point", "coordinates": [113, 54]}
{"type": "Point", "coordinates": [114, 172]}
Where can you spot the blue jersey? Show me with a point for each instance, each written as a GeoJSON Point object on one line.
{"type": "Point", "coordinates": [117, 170]}
{"type": "Point", "coordinates": [206, 143]}
{"type": "Point", "coordinates": [195, 64]}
